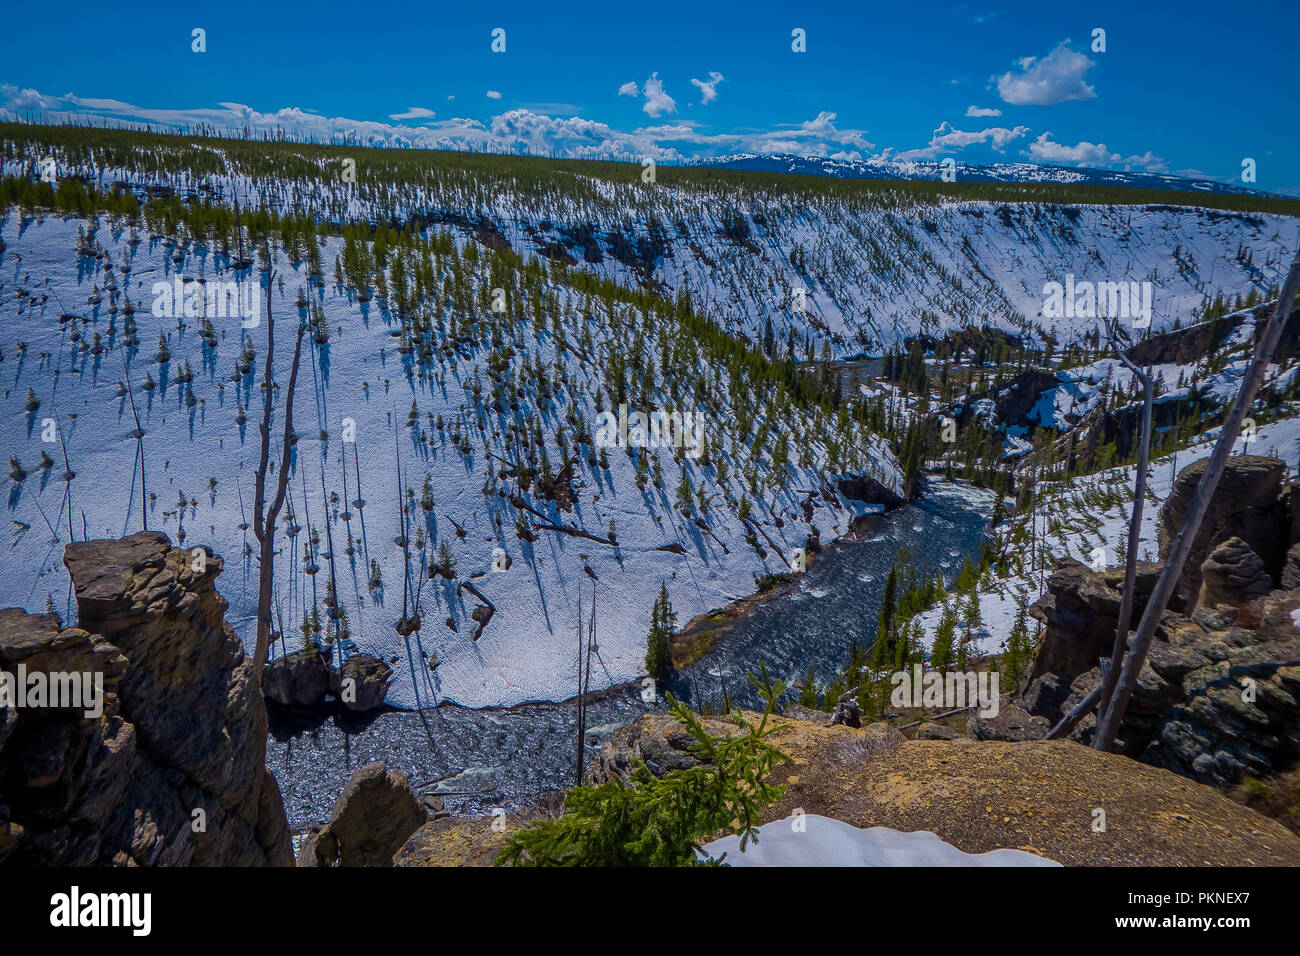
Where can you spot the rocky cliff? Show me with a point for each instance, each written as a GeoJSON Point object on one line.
{"type": "Point", "coordinates": [1217, 699]}
{"type": "Point", "coordinates": [172, 771]}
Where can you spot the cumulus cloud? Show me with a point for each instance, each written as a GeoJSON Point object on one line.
{"type": "Point", "coordinates": [1046, 150]}
{"type": "Point", "coordinates": [534, 130]}
{"type": "Point", "coordinates": [1056, 78]}
{"type": "Point", "coordinates": [977, 112]}
{"type": "Point", "coordinates": [493, 95]}
{"type": "Point", "coordinates": [948, 138]}
{"type": "Point", "coordinates": [708, 89]}
{"type": "Point", "coordinates": [415, 112]}
{"type": "Point", "coordinates": [657, 101]}
{"type": "Point", "coordinates": [629, 89]}
{"type": "Point", "coordinates": [28, 99]}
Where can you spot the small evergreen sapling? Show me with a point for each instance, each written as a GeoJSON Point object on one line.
{"type": "Point", "coordinates": [663, 821]}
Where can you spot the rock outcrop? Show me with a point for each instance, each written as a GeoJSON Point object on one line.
{"type": "Point", "coordinates": [1217, 698]}
{"type": "Point", "coordinates": [361, 683]}
{"type": "Point", "coordinates": [172, 771]}
{"type": "Point", "coordinates": [1233, 574]}
{"type": "Point", "coordinates": [373, 817]}
{"type": "Point", "coordinates": [304, 680]}
{"type": "Point", "coordinates": [1081, 612]}
{"type": "Point", "coordinates": [1037, 796]}
{"type": "Point", "coordinates": [1248, 504]}
{"type": "Point", "coordinates": [298, 680]}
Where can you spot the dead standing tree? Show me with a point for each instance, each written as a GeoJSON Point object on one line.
{"type": "Point", "coordinates": [264, 517]}
{"type": "Point", "coordinates": [1106, 688]}
{"type": "Point", "coordinates": [1265, 343]}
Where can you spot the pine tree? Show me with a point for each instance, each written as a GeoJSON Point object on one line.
{"type": "Point", "coordinates": [941, 652]}
{"type": "Point", "coordinates": [970, 622]}
{"type": "Point", "coordinates": [808, 696]}
{"type": "Point", "coordinates": [446, 565]}
{"type": "Point", "coordinates": [882, 653]}
{"type": "Point", "coordinates": [663, 620]}
{"type": "Point", "coordinates": [1016, 659]}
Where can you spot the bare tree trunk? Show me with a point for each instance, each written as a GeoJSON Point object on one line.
{"type": "Point", "coordinates": [1134, 533]}
{"type": "Point", "coordinates": [1108, 726]}
{"type": "Point", "coordinates": [264, 518]}
{"type": "Point", "coordinates": [578, 715]}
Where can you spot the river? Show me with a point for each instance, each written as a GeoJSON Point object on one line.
{"type": "Point", "coordinates": [483, 759]}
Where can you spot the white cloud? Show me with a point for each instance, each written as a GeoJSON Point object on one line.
{"type": "Point", "coordinates": [1056, 78]}
{"type": "Point", "coordinates": [493, 95]}
{"type": "Point", "coordinates": [16, 99]}
{"type": "Point", "coordinates": [519, 130]}
{"type": "Point", "coordinates": [708, 90]}
{"type": "Point", "coordinates": [657, 100]}
{"type": "Point", "coordinates": [977, 112]}
{"type": "Point", "coordinates": [629, 89]}
{"type": "Point", "coordinates": [947, 138]}
{"type": "Point", "coordinates": [415, 112]}
{"type": "Point", "coordinates": [1046, 150]}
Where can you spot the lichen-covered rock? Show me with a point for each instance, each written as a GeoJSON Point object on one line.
{"type": "Point", "coordinates": [1214, 701]}
{"type": "Point", "coordinates": [172, 771]}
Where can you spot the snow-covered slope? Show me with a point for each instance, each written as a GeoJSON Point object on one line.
{"type": "Point", "coordinates": [856, 270]}
{"type": "Point", "coordinates": [548, 372]}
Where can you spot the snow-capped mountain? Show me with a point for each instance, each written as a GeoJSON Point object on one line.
{"type": "Point", "coordinates": [968, 172]}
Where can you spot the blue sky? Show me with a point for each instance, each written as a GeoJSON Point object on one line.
{"type": "Point", "coordinates": [1186, 88]}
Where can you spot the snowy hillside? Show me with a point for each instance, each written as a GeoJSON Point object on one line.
{"type": "Point", "coordinates": [852, 265]}
{"type": "Point", "coordinates": [439, 393]}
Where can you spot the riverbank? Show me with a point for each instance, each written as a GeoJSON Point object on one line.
{"type": "Point", "coordinates": [477, 760]}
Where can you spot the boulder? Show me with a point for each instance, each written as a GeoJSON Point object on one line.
{"type": "Point", "coordinates": [1233, 574]}
{"type": "Point", "coordinates": [1012, 723]}
{"type": "Point", "coordinates": [794, 711]}
{"type": "Point", "coordinates": [1247, 504]}
{"type": "Point", "coordinates": [301, 679]}
{"type": "Point", "coordinates": [846, 711]}
{"type": "Point", "coordinates": [369, 677]}
{"type": "Point", "coordinates": [373, 817]}
{"type": "Point", "coordinates": [1044, 696]}
{"type": "Point", "coordinates": [932, 731]}
{"type": "Point", "coordinates": [657, 739]}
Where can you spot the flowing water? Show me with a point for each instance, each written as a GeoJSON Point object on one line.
{"type": "Point", "coordinates": [482, 759]}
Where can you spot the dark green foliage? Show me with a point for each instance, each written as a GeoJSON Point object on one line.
{"type": "Point", "coordinates": [653, 821]}
{"type": "Point", "coordinates": [663, 620]}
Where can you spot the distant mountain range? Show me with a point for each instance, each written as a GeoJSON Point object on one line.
{"type": "Point", "coordinates": [967, 172]}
